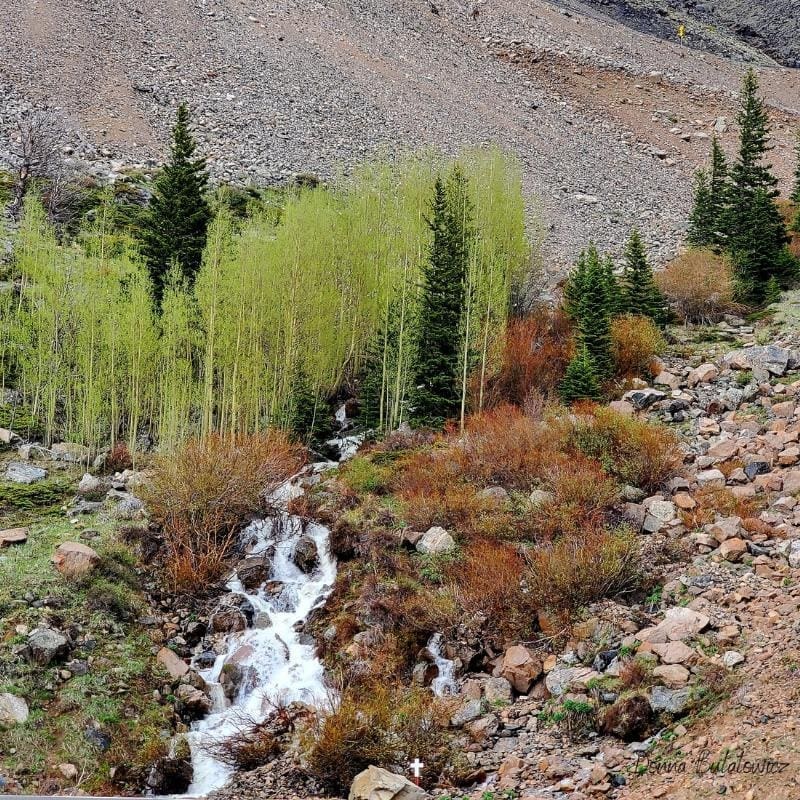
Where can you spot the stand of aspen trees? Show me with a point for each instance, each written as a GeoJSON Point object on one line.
{"type": "Point", "coordinates": [304, 292]}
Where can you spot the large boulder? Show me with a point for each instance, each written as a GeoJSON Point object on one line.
{"type": "Point", "coordinates": [673, 701]}
{"type": "Point", "coordinates": [764, 361]}
{"type": "Point", "coordinates": [170, 776]}
{"type": "Point", "coordinates": [13, 536]}
{"type": "Point", "coordinates": [71, 451]}
{"type": "Point", "coordinates": [172, 663]}
{"type": "Point", "coordinates": [191, 703]}
{"type": "Point", "coordinates": [679, 623]}
{"type": "Point", "coordinates": [521, 668]}
{"type": "Point", "coordinates": [306, 555]}
{"type": "Point", "coordinates": [375, 783]}
{"type": "Point", "coordinates": [46, 644]}
{"type": "Point", "coordinates": [13, 710]}
{"type": "Point", "coordinates": [434, 541]}
{"type": "Point", "coordinates": [253, 572]}
{"type": "Point", "coordinates": [23, 472]}
{"type": "Point", "coordinates": [74, 560]}
{"type": "Point", "coordinates": [641, 399]}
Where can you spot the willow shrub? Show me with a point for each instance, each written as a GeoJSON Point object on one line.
{"type": "Point", "coordinates": [203, 493]}
{"type": "Point", "coordinates": [302, 294]}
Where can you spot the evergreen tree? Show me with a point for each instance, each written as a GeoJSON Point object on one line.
{"type": "Point", "coordinates": [701, 221]}
{"type": "Point", "coordinates": [590, 310]}
{"type": "Point", "coordinates": [755, 229]}
{"type": "Point", "coordinates": [575, 285]}
{"type": "Point", "coordinates": [718, 192]}
{"type": "Point", "coordinates": [580, 381]}
{"type": "Point", "coordinates": [437, 376]}
{"type": "Point", "coordinates": [708, 218]}
{"type": "Point", "coordinates": [615, 302]}
{"type": "Point", "coordinates": [640, 294]}
{"type": "Point", "coordinates": [174, 227]}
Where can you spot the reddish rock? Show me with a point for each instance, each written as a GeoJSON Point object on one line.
{"type": "Point", "coordinates": [13, 536]}
{"type": "Point", "coordinates": [73, 559]}
{"type": "Point", "coordinates": [520, 667]}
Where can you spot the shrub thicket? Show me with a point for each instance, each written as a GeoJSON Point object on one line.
{"type": "Point", "coordinates": [381, 726]}
{"type": "Point", "coordinates": [635, 341]}
{"type": "Point", "coordinates": [699, 285]}
{"type": "Point", "coordinates": [206, 490]}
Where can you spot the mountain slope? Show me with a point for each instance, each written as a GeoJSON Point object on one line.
{"type": "Point", "coordinates": [282, 88]}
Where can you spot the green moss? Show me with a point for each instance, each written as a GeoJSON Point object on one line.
{"type": "Point", "coordinates": [16, 497]}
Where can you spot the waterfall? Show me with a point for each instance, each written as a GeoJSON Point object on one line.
{"type": "Point", "coordinates": [280, 663]}
{"type": "Point", "coordinates": [444, 683]}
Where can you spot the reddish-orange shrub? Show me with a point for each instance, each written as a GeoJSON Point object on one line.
{"type": "Point", "coordinates": [488, 581]}
{"type": "Point", "coordinates": [582, 496]}
{"type": "Point", "coordinates": [118, 458]}
{"type": "Point", "coordinates": [634, 342]}
{"type": "Point", "coordinates": [206, 490]}
{"type": "Point", "coordinates": [507, 447]}
{"type": "Point", "coordinates": [635, 451]}
{"type": "Point", "coordinates": [533, 356]}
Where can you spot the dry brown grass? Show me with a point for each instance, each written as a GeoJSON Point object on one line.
{"type": "Point", "coordinates": [699, 286]}
{"type": "Point", "coordinates": [206, 490]}
{"type": "Point", "coordinates": [634, 342]}
{"type": "Point", "coordinates": [717, 500]}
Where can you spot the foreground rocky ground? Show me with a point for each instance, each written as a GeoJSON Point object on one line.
{"type": "Point", "coordinates": [609, 123]}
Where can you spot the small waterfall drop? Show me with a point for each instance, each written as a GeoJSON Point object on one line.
{"type": "Point", "coordinates": [444, 684]}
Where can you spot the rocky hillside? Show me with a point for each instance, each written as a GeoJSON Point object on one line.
{"type": "Point", "coordinates": [731, 28]}
{"type": "Point", "coordinates": [610, 122]}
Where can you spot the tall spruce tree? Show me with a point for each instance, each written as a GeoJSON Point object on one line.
{"type": "Point", "coordinates": [708, 220]}
{"type": "Point", "coordinates": [575, 285]}
{"type": "Point", "coordinates": [701, 222]}
{"type": "Point", "coordinates": [591, 312]}
{"type": "Point", "coordinates": [756, 232]}
{"type": "Point", "coordinates": [174, 227]}
{"type": "Point", "coordinates": [615, 302]}
{"type": "Point", "coordinates": [639, 291]}
{"type": "Point", "coordinates": [718, 192]}
{"type": "Point", "coordinates": [580, 380]}
{"type": "Point", "coordinates": [436, 396]}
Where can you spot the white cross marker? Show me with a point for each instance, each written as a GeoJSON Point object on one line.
{"type": "Point", "coordinates": [417, 766]}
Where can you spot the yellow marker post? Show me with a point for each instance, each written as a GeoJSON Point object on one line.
{"type": "Point", "coordinates": [681, 32]}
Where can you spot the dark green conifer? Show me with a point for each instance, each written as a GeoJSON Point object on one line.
{"type": "Point", "coordinates": [174, 227]}
{"type": "Point", "coordinates": [437, 393]}
{"type": "Point", "coordinates": [580, 381]}
{"type": "Point", "coordinates": [592, 315]}
{"type": "Point", "coordinates": [639, 291]}
{"type": "Point", "coordinates": [755, 230]}
{"type": "Point", "coordinates": [701, 220]}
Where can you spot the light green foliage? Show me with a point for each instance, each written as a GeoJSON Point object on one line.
{"type": "Point", "coordinates": [300, 292]}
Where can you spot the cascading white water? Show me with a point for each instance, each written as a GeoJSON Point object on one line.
{"type": "Point", "coordinates": [444, 683]}
{"type": "Point", "coordinates": [279, 664]}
